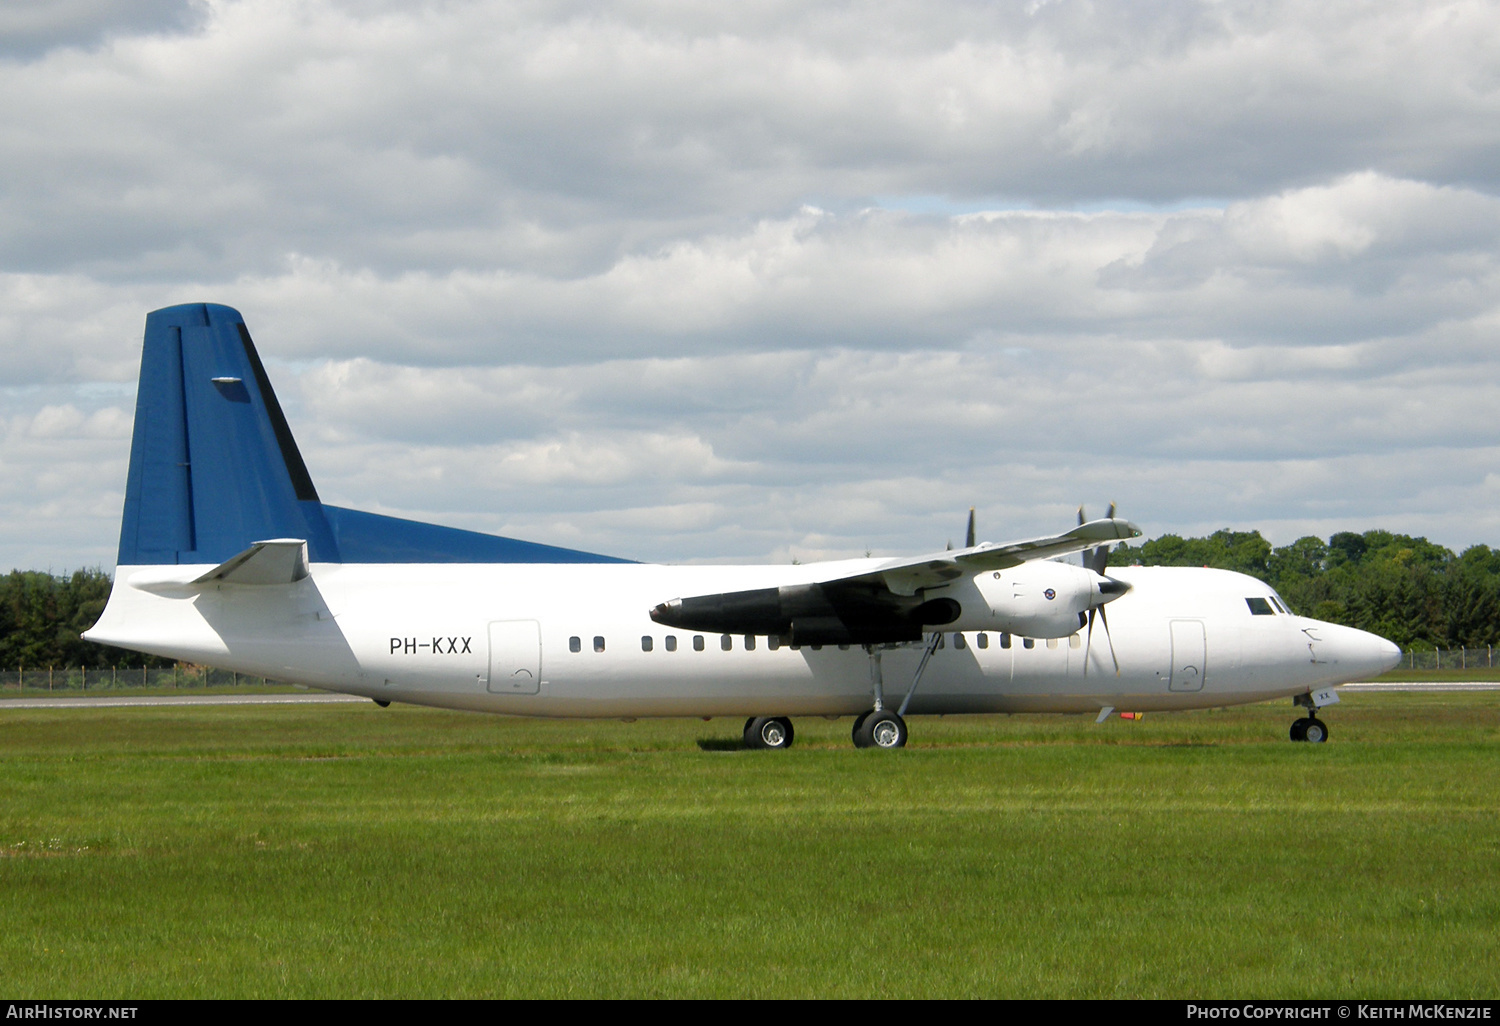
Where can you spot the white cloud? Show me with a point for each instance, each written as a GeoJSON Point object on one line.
{"type": "Point", "coordinates": [481, 134]}
{"type": "Point", "coordinates": [618, 278]}
{"type": "Point", "coordinates": [63, 470]}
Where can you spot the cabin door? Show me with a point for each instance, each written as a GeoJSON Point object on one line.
{"type": "Point", "coordinates": [515, 657]}
{"type": "Point", "coordinates": [1189, 654]}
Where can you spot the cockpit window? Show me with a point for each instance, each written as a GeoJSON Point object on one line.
{"type": "Point", "coordinates": [1259, 606]}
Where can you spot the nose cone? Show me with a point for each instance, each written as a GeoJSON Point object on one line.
{"type": "Point", "coordinates": [1356, 654]}
{"type": "Point", "coordinates": [1389, 653]}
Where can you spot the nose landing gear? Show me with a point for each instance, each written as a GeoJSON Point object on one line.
{"type": "Point", "coordinates": [1310, 728]}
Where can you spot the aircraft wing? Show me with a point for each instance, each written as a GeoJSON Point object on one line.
{"type": "Point", "coordinates": [909, 576]}
{"type": "Point", "coordinates": [882, 604]}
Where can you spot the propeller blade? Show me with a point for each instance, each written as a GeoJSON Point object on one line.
{"type": "Point", "coordinates": [1098, 559]}
{"type": "Point", "coordinates": [1104, 618]}
{"type": "Point", "coordinates": [1088, 642]}
{"type": "Point", "coordinates": [969, 539]}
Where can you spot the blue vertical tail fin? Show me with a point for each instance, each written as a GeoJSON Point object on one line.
{"type": "Point", "coordinates": [213, 465]}
{"type": "Point", "coordinates": [214, 468]}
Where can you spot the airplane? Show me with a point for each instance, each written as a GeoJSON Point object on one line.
{"type": "Point", "coordinates": [229, 558]}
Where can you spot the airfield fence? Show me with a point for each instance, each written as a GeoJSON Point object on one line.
{"type": "Point", "coordinates": [1449, 659]}
{"type": "Point", "coordinates": [118, 678]}
{"type": "Point", "coordinates": [114, 678]}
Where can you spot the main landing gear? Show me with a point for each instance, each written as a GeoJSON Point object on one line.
{"type": "Point", "coordinates": [768, 732]}
{"type": "Point", "coordinates": [880, 727]}
{"type": "Point", "coordinates": [1308, 728]}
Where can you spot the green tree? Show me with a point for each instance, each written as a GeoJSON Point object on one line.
{"type": "Point", "coordinates": [42, 618]}
{"type": "Point", "coordinates": [1405, 588]}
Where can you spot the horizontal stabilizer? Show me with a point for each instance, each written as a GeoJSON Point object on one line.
{"type": "Point", "coordinates": [278, 561]}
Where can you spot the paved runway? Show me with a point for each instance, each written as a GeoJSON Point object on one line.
{"type": "Point", "coordinates": [322, 697]}
{"type": "Point", "coordinates": [312, 698]}
{"type": "Point", "coordinates": [1449, 685]}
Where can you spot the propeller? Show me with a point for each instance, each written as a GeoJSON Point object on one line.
{"type": "Point", "coordinates": [969, 539]}
{"type": "Point", "coordinates": [1097, 560]}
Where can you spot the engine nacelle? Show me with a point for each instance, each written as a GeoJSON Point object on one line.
{"type": "Point", "coordinates": [1038, 599]}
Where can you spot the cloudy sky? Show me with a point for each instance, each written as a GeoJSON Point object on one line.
{"type": "Point", "coordinates": [772, 280]}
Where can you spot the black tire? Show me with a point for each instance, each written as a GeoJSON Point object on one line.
{"type": "Point", "coordinates": [768, 733]}
{"type": "Point", "coordinates": [383, 704]}
{"type": "Point", "coordinates": [1299, 729]}
{"type": "Point", "coordinates": [859, 722]}
{"type": "Point", "coordinates": [1316, 731]}
{"type": "Point", "coordinates": [882, 729]}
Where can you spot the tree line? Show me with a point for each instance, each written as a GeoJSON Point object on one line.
{"type": "Point", "coordinates": [1410, 590]}
{"type": "Point", "coordinates": [42, 617]}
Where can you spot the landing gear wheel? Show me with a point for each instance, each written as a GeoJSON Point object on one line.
{"type": "Point", "coordinates": [1316, 731]}
{"type": "Point", "coordinates": [883, 729]}
{"type": "Point", "coordinates": [768, 732]}
{"type": "Point", "coordinates": [859, 723]}
{"type": "Point", "coordinates": [1299, 729]}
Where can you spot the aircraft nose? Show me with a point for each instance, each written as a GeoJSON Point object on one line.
{"type": "Point", "coordinates": [1358, 653]}
{"type": "Point", "coordinates": [1390, 654]}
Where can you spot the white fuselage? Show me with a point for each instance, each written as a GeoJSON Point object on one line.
{"type": "Point", "coordinates": [569, 640]}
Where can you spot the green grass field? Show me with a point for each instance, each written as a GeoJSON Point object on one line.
{"type": "Point", "coordinates": [353, 851]}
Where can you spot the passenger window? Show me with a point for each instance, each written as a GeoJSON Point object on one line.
{"type": "Point", "coordinates": [1051, 642]}
{"type": "Point", "coordinates": [982, 640]}
{"type": "Point", "coordinates": [697, 643]}
{"type": "Point", "coordinates": [749, 642]}
{"type": "Point", "coordinates": [1074, 641]}
{"type": "Point", "coordinates": [959, 643]}
{"type": "Point", "coordinates": [1028, 643]}
{"type": "Point", "coordinates": [1004, 640]}
{"type": "Point", "coordinates": [671, 643]}
{"type": "Point", "coordinates": [816, 648]}
{"type": "Point", "coordinates": [843, 648]}
{"type": "Point", "coordinates": [598, 643]}
{"type": "Point", "coordinates": [575, 644]}
{"type": "Point", "coordinates": [726, 642]}
{"type": "Point", "coordinates": [1260, 607]}
{"type": "Point", "coordinates": [773, 642]}
{"type": "Point", "coordinates": [645, 643]}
